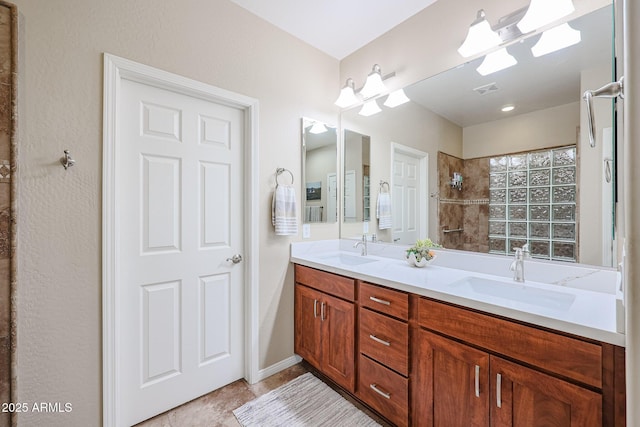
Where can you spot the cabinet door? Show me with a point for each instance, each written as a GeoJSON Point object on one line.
{"type": "Point", "coordinates": [451, 384]}
{"type": "Point", "coordinates": [338, 341]}
{"type": "Point", "coordinates": [307, 342]}
{"type": "Point", "coordinates": [522, 397]}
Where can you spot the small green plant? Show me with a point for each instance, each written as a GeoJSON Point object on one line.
{"type": "Point", "coordinates": [423, 249]}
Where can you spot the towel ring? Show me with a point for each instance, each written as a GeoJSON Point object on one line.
{"type": "Point", "coordinates": [279, 171]}
{"type": "Point", "coordinates": [382, 184]}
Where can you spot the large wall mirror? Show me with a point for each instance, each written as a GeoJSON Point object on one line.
{"type": "Point", "coordinates": [528, 175]}
{"type": "Point", "coordinates": [320, 172]}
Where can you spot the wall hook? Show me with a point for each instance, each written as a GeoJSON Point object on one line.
{"type": "Point", "coordinates": [67, 161]}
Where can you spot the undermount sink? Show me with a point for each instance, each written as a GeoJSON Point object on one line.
{"type": "Point", "coordinates": [346, 259]}
{"type": "Point", "coordinates": [516, 292]}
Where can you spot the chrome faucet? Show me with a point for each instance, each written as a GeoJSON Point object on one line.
{"type": "Point", "coordinates": [363, 243]}
{"type": "Point", "coordinates": [517, 266]}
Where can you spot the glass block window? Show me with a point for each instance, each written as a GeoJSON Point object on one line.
{"type": "Point", "coordinates": [533, 200]}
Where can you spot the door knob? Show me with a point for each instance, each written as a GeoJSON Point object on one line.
{"type": "Point", "coordinates": [235, 259]}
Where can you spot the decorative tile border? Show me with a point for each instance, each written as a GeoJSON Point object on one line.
{"type": "Point", "coordinates": [465, 201]}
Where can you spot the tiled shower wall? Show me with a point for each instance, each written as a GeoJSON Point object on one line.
{"type": "Point", "coordinates": [466, 209]}
{"type": "Point", "coordinates": [7, 107]}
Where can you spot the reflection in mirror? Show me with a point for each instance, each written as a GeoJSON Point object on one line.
{"type": "Point", "coordinates": [319, 169]}
{"type": "Point", "coordinates": [457, 117]}
{"type": "Point", "coordinates": [357, 177]}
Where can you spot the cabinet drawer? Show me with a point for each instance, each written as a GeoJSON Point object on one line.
{"type": "Point", "coordinates": [385, 340]}
{"type": "Point", "coordinates": [333, 284]}
{"type": "Point", "coordinates": [387, 301]}
{"type": "Point", "coordinates": [384, 390]}
{"type": "Point", "coordinates": [566, 356]}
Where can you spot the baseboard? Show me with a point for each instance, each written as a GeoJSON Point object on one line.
{"type": "Point", "coordinates": [277, 367]}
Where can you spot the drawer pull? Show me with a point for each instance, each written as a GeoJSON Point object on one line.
{"type": "Point", "coordinates": [477, 381]}
{"type": "Point", "coordinates": [499, 390]}
{"type": "Point", "coordinates": [380, 301]}
{"type": "Point", "coordinates": [375, 388]}
{"type": "Point", "coordinates": [376, 339]}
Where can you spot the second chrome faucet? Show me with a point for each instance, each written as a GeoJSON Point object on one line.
{"type": "Point", "coordinates": [517, 266]}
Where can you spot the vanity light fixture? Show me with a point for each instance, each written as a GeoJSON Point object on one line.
{"type": "Point", "coordinates": [373, 86]}
{"type": "Point", "coordinates": [317, 128]}
{"type": "Point", "coordinates": [496, 61]}
{"type": "Point", "coordinates": [543, 12]}
{"type": "Point", "coordinates": [480, 37]}
{"type": "Point", "coordinates": [396, 98]}
{"type": "Point", "coordinates": [507, 108]}
{"type": "Point", "coordinates": [555, 39]}
{"type": "Point", "coordinates": [369, 108]}
{"type": "Point", "coordinates": [347, 95]}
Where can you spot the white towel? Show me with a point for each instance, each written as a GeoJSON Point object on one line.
{"type": "Point", "coordinates": [383, 211]}
{"type": "Point", "coordinates": [284, 215]}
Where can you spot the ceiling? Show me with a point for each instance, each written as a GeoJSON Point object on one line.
{"type": "Point", "coordinates": [336, 27]}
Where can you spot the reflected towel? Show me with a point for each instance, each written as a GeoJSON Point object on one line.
{"type": "Point", "coordinates": [313, 213]}
{"type": "Point", "coordinates": [284, 215]}
{"type": "Point", "coordinates": [383, 211]}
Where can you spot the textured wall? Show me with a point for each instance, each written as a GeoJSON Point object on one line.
{"type": "Point", "coordinates": [464, 209]}
{"type": "Point", "coordinates": [450, 202]}
{"type": "Point", "coordinates": [7, 64]}
{"type": "Point", "coordinates": [59, 272]}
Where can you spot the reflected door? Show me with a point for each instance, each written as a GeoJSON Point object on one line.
{"type": "Point", "coordinates": [350, 196]}
{"type": "Point", "coordinates": [179, 217]}
{"type": "Point", "coordinates": [332, 199]}
{"type": "Point", "coordinates": [405, 195]}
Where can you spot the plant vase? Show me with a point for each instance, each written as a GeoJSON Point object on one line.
{"type": "Point", "coordinates": [411, 259]}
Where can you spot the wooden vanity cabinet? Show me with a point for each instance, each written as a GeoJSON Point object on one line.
{"type": "Point", "coordinates": [462, 377]}
{"type": "Point", "coordinates": [522, 396]}
{"type": "Point", "coordinates": [324, 315]}
{"type": "Point", "coordinates": [422, 362]}
{"type": "Point", "coordinates": [383, 344]}
{"type": "Point", "coordinates": [458, 385]}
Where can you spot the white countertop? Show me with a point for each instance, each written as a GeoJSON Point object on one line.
{"type": "Point", "coordinates": [572, 298]}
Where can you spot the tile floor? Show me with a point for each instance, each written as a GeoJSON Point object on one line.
{"type": "Point", "coordinates": [215, 409]}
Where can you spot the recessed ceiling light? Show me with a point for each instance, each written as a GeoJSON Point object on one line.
{"type": "Point", "coordinates": [508, 108]}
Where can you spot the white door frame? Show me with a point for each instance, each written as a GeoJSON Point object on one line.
{"type": "Point", "coordinates": [423, 221]}
{"type": "Point", "coordinates": [115, 70]}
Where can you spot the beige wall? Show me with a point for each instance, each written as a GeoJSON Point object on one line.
{"type": "Point", "coordinates": [551, 127]}
{"type": "Point", "coordinates": [59, 273]}
{"type": "Point", "coordinates": [590, 177]}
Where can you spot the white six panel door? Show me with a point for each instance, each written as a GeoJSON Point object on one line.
{"type": "Point", "coordinates": [406, 203]}
{"type": "Point", "coordinates": [180, 217]}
